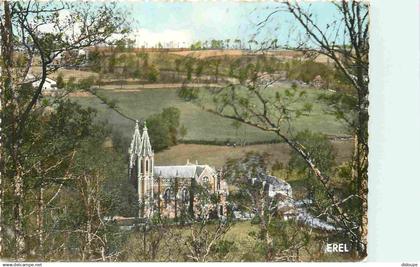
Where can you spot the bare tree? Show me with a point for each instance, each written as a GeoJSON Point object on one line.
{"type": "Point", "coordinates": [202, 239]}
{"type": "Point", "coordinates": [94, 245]}
{"type": "Point", "coordinates": [205, 229]}
{"type": "Point", "coordinates": [255, 104]}
{"type": "Point", "coordinates": [35, 32]}
{"type": "Point", "coordinates": [250, 176]}
{"type": "Point", "coordinates": [346, 42]}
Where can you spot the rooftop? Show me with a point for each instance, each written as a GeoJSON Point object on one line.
{"type": "Point", "coordinates": [180, 171]}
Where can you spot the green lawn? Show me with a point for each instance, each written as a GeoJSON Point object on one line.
{"type": "Point", "coordinates": [201, 125]}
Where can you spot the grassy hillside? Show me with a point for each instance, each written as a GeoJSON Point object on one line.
{"type": "Point", "coordinates": [140, 103]}
{"type": "Point", "coordinates": [217, 155]}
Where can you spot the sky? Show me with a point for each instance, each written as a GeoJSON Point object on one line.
{"type": "Point", "coordinates": [183, 23]}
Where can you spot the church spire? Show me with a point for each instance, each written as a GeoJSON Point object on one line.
{"type": "Point", "coordinates": [146, 147]}
{"type": "Point", "coordinates": [135, 145]}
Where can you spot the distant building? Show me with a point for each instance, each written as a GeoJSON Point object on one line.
{"type": "Point", "coordinates": [169, 190]}
{"type": "Point", "coordinates": [48, 86]}
{"type": "Point", "coordinates": [275, 186]}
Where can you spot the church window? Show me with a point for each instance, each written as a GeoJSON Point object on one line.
{"type": "Point", "coordinates": [147, 165]}
{"type": "Point", "coordinates": [184, 195]}
{"type": "Point", "coordinates": [167, 196]}
{"type": "Point", "coordinates": [205, 179]}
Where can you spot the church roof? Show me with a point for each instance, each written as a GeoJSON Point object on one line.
{"type": "Point", "coordinates": [140, 144]}
{"type": "Point", "coordinates": [179, 171]}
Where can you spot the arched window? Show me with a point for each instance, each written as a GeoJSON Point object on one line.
{"type": "Point", "coordinates": [185, 195]}
{"type": "Point", "coordinates": [147, 165]}
{"type": "Point", "coordinates": [205, 179]}
{"type": "Point", "coordinates": [167, 197]}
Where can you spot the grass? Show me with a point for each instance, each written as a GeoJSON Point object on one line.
{"type": "Point", "coordinates": [217, 155]}
{"type": "Point", "coordinates": [243, 242]}
{"type": "Point", "coordinates": [244, 245]}
{"type": "Point", "coordinates": [140, 103]}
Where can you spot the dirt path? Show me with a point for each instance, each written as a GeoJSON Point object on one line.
{"type": "Point", "coordinates": [80, 94]}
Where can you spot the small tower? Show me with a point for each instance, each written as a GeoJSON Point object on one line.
{"type": "Point", "coordinates": [133, 152]}
{"type": "Point", "coordinates": [141, 170]}
{"type": "Point", "coordinates": [146, 158]}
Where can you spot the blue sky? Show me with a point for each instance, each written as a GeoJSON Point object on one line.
{"type": "Point", "coordinates": [186, 22]}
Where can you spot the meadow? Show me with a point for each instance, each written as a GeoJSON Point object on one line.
{"type": "Point", "coordinates": [217, 155]}
{"type": "Point", "coordinates": [140, 103]}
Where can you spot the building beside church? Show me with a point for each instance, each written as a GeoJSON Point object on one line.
{"type": "Point", "coordinates": [171, 191]}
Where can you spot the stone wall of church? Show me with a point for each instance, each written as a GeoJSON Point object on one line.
{"type": "Point", "coordinates": [177, 197]}
{"type": "Point", "coordinates": [172, 196]}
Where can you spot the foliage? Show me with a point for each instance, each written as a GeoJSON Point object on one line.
{"type": "Point", "coordinates": [163, 128]}
{"type": "Point", "coordinates": [96, 60]}
{"type": "Point", "coordinates": [320, 149]}
{"type": "Point", "coordinates": [274, 240]}
{"type": "Point", "coordinates": [152, 73]}
{"type": "Point", "coordinates": [60, 81]}
{"type": "Point", "coordinates": [323, 155]}
{"type": "Point", "coordinates": [307, 70]}
{"type": "Point", "coordinates": [42, 135]}
{"type": "Point", "coordinates": [253, 104]}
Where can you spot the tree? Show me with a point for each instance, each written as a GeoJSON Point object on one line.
{"type": "Point", "coordinates": [203, 238]}
{"type": "Point", "coordinates": [249, 175]}
{"type": "Point", "coordinates": [189, 63]}
{"type": "Point", "coordinates": [112, 62]}
{"type": "Point", "coordinates": [95, 60]}
{"type": "Point", "coordinates": [21, 26]}
{"type": "Point", "coordinates": [199, 68]}
{"type": "Point", "coordinates": [178, 62]}
{"type": "Point", "coordinates": [318, 146]}
{"type": "Point", "coordinates": [156, 241]}
{"type": "Point", "coordinates": [227, 43]}
{"type": "Point", "coordinates": [238, 44]}
{"type": "Point", "coordinates": [216, 64]}
{"type": "Point", "coordinates": [322, 153]}
{"type": "Point", "coordinates": [255, 105]}
{"type": "Point", "coordinates": [163, 128]}
{"type": "Point", "coordinates": [205, 230]}
{"type": "Point", "coordinates": [88, 189]}
{"type": "Point", "coordinates": [152, 73]}
{"type": "Point", "coordinates": [351, 58]}
{"type": "Point", "coordinates": [196, 46]}
{"type": "Point", "coordinates": [60, 81]}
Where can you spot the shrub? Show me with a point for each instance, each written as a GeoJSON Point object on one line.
{"type": "Point", "coordinates": [163, 128]}
{"type": "Point", "coordinates": [60, 81]}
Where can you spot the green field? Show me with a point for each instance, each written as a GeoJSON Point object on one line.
{"type": "Point", "coordinates": [140, 103]}
{"type": "Point", "coordinates": [218, 155]}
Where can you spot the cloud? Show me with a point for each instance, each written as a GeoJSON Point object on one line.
{"type": "Point", "coordinates": [173, 38]}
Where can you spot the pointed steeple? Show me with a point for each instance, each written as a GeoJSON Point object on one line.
{"type": "Point", "coordinates": [146, 148]}
{"type": "Point", "coordinates": [135, 145]}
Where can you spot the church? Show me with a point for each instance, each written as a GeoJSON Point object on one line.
{"type": "Point", "coordinates": [171, 191]}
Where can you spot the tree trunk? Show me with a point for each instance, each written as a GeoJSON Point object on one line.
{"type": "Point", "coordinates": [362, 191]}
{"type": "Point", "coordinates": [89, 227]}
{"type": "Point", "coordinates": [40, 222]}
{"type": "Point", "coordinates": [7, 86]}
{"type": "Point", "coordinates": [18, 215]}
